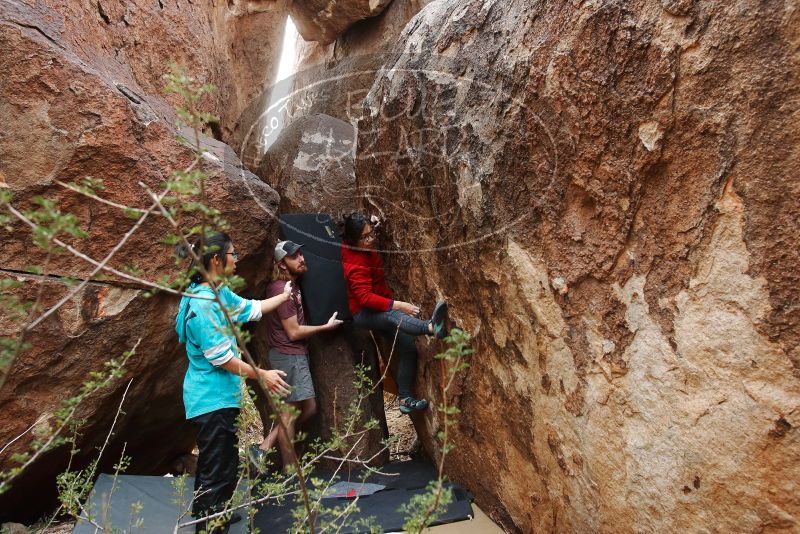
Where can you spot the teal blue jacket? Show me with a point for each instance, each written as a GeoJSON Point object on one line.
{"type": "Point", "coordinates": [201, 325]}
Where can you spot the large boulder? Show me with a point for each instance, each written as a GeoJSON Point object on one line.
{"type": "Point", "coordinates": [334, 78]}
{"type": "Point", "coordinates": [325, 20]}
{"type": "Point", "coordinates": [606, 194]}
{"type": "Point", "coordinates": [81, 97]}
{"type": "Point", "coordinates": [233, 45]}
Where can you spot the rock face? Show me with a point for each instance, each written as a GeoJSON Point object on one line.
{"type": "Point", "coordinates": [604, 191]}
{"type": "Point", "coordinates": [333, 361]}
{"type": "Point", "coordinates": [233, 45]}
{"type": "Point", "coordinates": [334, 78]}
{"type": "Point", "coordinates": [607, 192]}
{"type": "Point", "coordinates": [251, 35]}
{"type": "Point", "coordinates": [325, 20]}
{"type": "Point", "coordinates": [80, 96]}
{"type": "Point", "coordinates": [311, 166]}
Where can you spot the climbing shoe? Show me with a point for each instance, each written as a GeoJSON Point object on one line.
{"type": "Point", "coordinates": [439, 320]}
{"type": "Point", "coordinates": [410, 404]}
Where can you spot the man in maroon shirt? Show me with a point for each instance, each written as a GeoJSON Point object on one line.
{"type": "Point", "coordinates": [288, 336]}
{"type": "Point", "coordinates": [373, 308]}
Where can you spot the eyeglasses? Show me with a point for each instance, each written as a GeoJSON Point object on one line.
{"type": "Point", "coordinates": [235, 255]}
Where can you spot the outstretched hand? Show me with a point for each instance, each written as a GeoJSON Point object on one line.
{"type": "Point", "coordinates": [333, 322]}
{"type": "Point", "coordinates": [287, 289]}
{"type": "Point", "coordinates": [273, 379]}
{"type": "Point", "coordinates": [406, 307]}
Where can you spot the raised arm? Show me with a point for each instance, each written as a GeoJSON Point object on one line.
{"type": "Point", "coordinates": [242, 310]}
{"type": "Point", "coordinates": [272, 303]}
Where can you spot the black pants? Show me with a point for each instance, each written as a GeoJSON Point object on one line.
{"type": "Point", "coordinates": [217, 462]}
{"type": "Point", "coordinates": [387, 325]}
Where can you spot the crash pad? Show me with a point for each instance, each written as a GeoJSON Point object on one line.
{"type": "Point", "coordinates": [163, 502]}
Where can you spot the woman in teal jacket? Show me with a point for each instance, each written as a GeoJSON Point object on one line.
{"type": "Point", "coordinates": [212, 386]}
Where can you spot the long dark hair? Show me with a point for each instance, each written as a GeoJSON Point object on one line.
{"type": "Point", "coordinates": [213, 244]}
{"type": "Point", "coordinates": [353, 226]}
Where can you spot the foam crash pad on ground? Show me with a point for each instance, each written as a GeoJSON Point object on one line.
{"type": "Point", "coordinates": [382, 507]}
{"type": "Point", "coordinates": [112, 503]}
{"type": "Point", "coordinates": [162, 501]}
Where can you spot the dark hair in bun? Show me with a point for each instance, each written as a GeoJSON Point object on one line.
{"type": "Point", "coordinates": [213, 244]}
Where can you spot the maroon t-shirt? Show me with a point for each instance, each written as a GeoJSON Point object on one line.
{"type": "Point", "coordinates": [276, 336]}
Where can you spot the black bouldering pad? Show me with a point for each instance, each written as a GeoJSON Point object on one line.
{"type": "Point", "coordinates": [162, 506]}
{"type": "Point", "coordinates": [323, 286]}
{"type": "Point", "coordinates": [403, 480]}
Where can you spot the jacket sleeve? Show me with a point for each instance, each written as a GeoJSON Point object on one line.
{"type": "Point", "coordinates": [208, 332]}
{"type": "Point", "coordinates": [239, 309]}
{"type": "Point", "coordinates": [360, 282]}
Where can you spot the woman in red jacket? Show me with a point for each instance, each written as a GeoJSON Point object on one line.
{"type": "Point", "coordinates": [373, 308]}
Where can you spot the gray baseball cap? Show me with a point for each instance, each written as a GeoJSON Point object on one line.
{"type": "Point", "coordinates": [285, 248]}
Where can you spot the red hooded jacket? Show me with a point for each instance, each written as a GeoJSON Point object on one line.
{"type": "Point", "coordinates": [366, 285]}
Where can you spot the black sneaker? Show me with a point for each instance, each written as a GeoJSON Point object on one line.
{"type": "Point", "coordinates": [439, 320]}
{"type": "Point", "coordinates": [410, 404]}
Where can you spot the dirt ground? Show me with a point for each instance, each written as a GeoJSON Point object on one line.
{"type": "Point", "coordinates": [400, 427]}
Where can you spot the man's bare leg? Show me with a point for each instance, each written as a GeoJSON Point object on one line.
{"type": "Point", "coordinates": [307, 409]}
{"type": "Point", "coordinates": [286, 443]}
{"type": "Point", "coordinates": [272, 437]}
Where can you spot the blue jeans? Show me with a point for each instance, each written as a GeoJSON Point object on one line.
{"type": "Point", "coordinates": [387, 325]}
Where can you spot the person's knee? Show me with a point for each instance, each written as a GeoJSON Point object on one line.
{"type": "Point", "coordinates": [395, 317]}
{"type": "Point", "coordinates": [288, 417]}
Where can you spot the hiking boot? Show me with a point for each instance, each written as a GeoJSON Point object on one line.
{"type": "Point", "coordinates": [410, 404]}
{"type": "Point", "coordinates": [439, 320]}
